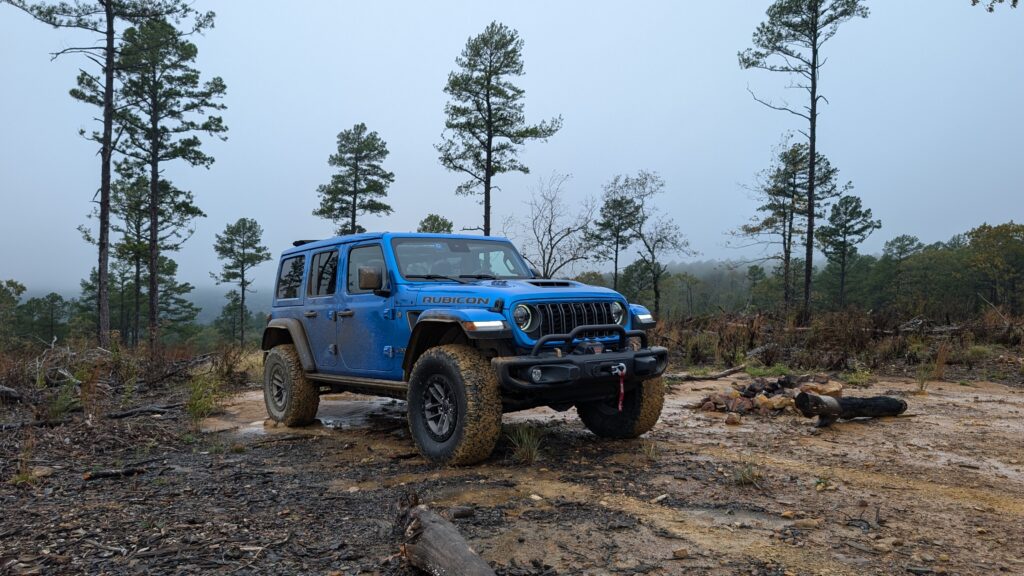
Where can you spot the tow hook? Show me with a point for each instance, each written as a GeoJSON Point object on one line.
{"type": "Point", "coordinates": [620, 371]}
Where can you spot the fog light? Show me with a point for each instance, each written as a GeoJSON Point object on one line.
{"type": "Point", "coordinates": [536, 374]}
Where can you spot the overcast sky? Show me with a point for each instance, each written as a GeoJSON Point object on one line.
{"type": "Point", "coordinates": [925, 117]}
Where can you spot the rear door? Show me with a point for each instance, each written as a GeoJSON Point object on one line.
{"type": "Point", "coordinates": [366, 320]}
{"type": "Point", "coordinates": [319, 312]}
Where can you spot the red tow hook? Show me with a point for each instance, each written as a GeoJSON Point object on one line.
{"type": "Point", "coordinates": [620, 371]}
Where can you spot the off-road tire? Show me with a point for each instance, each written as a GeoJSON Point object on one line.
{"type": "Point", "coordinates": [474, 396]}
{"type": "Point", "coordinates": [300, 400]}
{"type": "Point", "coordinates": [641, 408]}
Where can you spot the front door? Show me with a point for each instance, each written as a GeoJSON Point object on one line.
{"type": "Point", "coordinates": [366, 319]}
{"type": "Point", "coordinates": [319, 312]}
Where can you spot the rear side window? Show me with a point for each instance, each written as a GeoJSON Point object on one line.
{"type": "Point", "coordinates": [363, 256]}
{"type": "Point", "coordinates": [289, 280]}
{"type": "Point", "coordinates": [323, 274]}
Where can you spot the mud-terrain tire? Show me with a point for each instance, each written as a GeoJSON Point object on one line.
{"type": "Point", "coordinates": [641, 408]}
{"type": "Point", "coordinates": [290, 397]}
{"type": "Point", "coordinates": [457, 382]}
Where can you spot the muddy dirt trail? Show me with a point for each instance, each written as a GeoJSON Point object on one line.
{"type": "Point", "coordinates": [938, 490]}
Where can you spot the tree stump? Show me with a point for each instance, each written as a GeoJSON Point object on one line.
{"type": "Point", "coordinates": [434, 544]}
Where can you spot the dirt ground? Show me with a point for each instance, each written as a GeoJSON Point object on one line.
{"type": "Point", "coordinates": [938, 490]}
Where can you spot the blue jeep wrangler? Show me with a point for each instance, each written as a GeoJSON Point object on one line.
{"type": "Point", "coordinates": [463, 330]}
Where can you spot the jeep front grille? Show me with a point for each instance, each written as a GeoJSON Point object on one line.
{"type": "Point", "coordinates": [562, 318]}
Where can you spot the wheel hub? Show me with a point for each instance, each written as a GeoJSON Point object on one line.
{"type": "Point", "coordinates": [440, 410]}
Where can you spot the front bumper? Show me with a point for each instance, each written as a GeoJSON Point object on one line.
{"type": "Point", "coordinates": [569, 374]}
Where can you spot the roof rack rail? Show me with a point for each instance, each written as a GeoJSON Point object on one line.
{"type": "Point", "coordinates": [298, 243]}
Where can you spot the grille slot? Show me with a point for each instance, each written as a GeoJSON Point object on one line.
{"type": "Point", "coordinates": [563, 317]}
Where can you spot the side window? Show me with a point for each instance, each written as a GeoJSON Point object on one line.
{"type": "Point", "coordinates": [289, 280]}
{"type": "Point", "coordinates": [362, 256]}
{"type": "Point", "coordinates": [323, 274]}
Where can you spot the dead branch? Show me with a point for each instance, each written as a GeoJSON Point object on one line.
{"type": "Point", "coordinates": [31, 424]}
{"type": "Point", "coordinates": [9, 394]}
{"type": "Point", "coordinates": [114, 473]}
{"type": "Point", "coordinates": [145, 410]}
{"type": "Point", "coordinates": [434, 544]}
{"type": "Point", "coordinates": [688, 377]}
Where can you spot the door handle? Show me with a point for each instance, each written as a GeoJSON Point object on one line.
{"type": "Point", "coordinates": [346, 312]}
{"type": "Point", "coordinates": [310, 314]}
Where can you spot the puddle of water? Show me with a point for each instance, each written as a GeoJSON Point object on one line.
{"type": "Point", "coordinates": [247, 414]}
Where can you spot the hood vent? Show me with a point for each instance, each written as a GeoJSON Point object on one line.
{"type": "Point", "coordinates": [551, 283]}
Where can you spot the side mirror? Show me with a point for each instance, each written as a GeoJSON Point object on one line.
{"type": "Point", "coordinates": [370, 278]}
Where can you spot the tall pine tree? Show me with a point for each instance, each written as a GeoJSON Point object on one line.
{"type": "Point", "coordinates": [360, 183]}
{"type": "Point", "coordinates": [241, 248]}
{"type": "Point", "coordinates": [485, 126]}
{"type": "Point", "coordinates": [790, 41]}
{"type": "Point", "coordinates": [168, 111]}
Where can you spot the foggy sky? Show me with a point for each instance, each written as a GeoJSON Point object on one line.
{"type": "Point", "coordinates": [925, 116]}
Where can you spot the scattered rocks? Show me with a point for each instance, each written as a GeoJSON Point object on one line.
{"type": "Point", "coordinates": [733, 419]}
{"type": "Point", "coordinates": [680, 553]}
{"type": "Point", "coordinates": [766, 396]}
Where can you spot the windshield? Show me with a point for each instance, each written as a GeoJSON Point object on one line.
{"type": "Point", "coordinates": [454, 258]}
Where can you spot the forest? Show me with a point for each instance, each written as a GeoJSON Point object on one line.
{"type": "Point", "coordinates": [135, 438]}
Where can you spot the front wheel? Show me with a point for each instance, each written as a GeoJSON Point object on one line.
{"type": "Point", "coordinates": [291, 399]}
{"type": "Point", "coordinates": [641, 408]}
{"type": "Point", "coordinates": [454, 405]}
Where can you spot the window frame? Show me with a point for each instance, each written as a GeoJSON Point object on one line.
{"type": "Point", "coordinates": [348, 268]}
{"type": "Point", "coordinates": [302, 279]}
{"type": "Point", "coordinates": [312, 269]}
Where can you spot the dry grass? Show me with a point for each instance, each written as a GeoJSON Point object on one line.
{"type": "Point", "coordinates": [526, 441]}
{"type": "Point", "coordinates": [747, 474]}
{"type": "Point", "coordinates": [649, 448]}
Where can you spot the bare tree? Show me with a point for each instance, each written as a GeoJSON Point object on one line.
{"type": "Point", "coordinates": [553, 237]}
{"type": "Point", "coordinates": [659, 236]}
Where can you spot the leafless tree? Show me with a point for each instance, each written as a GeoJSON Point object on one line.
{"type": "Point", "coordinates": [553, 235]}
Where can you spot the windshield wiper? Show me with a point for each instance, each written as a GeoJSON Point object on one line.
{"type": "Point", "coordinates": [479, 276]}
{"type": "Point", "coordinates": [434, 277]}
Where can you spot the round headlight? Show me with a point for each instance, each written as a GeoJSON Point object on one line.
{"type": "Point", "coordinates": [523, 317]}
{"type": "Point", "coordinates": [618, 313]}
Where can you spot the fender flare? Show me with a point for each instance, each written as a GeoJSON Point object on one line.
{"type": "Point", "coordinates": [446, 326]}
{"type": "Point", "coordinates": [274, 334]}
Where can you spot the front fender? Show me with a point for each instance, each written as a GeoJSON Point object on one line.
{"type": "Point", "coordinates": [448, 325]}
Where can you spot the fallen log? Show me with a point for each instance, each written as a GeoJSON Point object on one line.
{"type": "Point", "coordinates": [829, 409]}
{"type": "Point", "coordinates": [434, 544]}
{"type": "Point", "coordinates": [32, 424]}
{"type": "Point", "coordinates": [688, 377]}
{"type": "Point", "coordinates": [144, 410]}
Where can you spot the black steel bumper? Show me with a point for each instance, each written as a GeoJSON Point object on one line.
{"type": "Point", "coordinates": [573, 372]}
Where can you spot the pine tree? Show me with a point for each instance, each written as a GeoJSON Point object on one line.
{"type": "Point", "coordinates": [436, 224]}
{"type": "Point", "coordinates": [485, 126]}
{"type": "Point", "coordinates": [615, 230]}
{"type": "Point", "coordinates": [101, 18]}
{"type": "Point", "coordinates": [790, 41]}
{"type": "Point", "coordinates": [360, 183]}
{"type": "Point", "coordinates": [241, 249]}
{"type": "Point", "coordinates": [849, 224]}
{"type": "Point", "coordinates": [168, 111]}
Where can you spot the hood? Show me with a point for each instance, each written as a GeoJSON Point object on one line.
{"type": "Point", "coordinates": [484, 293]}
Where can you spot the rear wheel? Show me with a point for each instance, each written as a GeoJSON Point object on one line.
{"type": "Point", "coordinates": [641, 408]}
{"type": "Point", "coordinates": [291, 399]}
{"type": "Point", "coordinates": [454, 405]}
